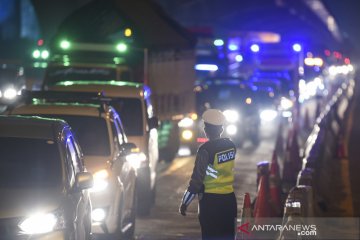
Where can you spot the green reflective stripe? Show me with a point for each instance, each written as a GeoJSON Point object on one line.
{"type": "Point", "coordinates": [89, 82]}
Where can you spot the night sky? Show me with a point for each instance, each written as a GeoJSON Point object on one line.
{"type": "Point", "coordinates": [225, 14]}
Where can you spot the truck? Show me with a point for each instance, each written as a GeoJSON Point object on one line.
{"type": "Point", "coordinates": [169, 74]}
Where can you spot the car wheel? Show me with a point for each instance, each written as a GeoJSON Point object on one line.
{"type": "Point", "coordinates": [118, 233]}
{"type": "Point", "coordinates": [129, 234]}
{"type": "Point", "coordinates": [153, 195]}
{"type": "Point", "coordinates": [144, 205]}
{"type": "Point", "coordinates": [144, 198]}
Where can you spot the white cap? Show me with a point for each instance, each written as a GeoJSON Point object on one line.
{"type": "Point", "coordinates": [214, 117]}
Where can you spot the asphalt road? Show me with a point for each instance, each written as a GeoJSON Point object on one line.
{"type": "Point", "coordinates": [165, 222]}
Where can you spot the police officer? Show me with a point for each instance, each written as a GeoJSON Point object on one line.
{"type": "Point", "coordinates": [212, 180]}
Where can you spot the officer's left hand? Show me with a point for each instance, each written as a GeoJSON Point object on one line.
{"type": "Point", "coordinates": [182, 209]}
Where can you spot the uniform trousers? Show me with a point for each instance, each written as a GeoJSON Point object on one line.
{"type": "Point", "coordinates": [217, 216]}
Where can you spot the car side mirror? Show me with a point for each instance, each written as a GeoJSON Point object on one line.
{"type": "Point", "coordinates": [84, 180]}
{"type": "Point", "coordinates": [126, 148]}
{"type": "Point", "coordinates": [153, 123]}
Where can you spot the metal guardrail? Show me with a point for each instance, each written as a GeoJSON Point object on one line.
{"type": "Point", "coordinates": [321, 146]}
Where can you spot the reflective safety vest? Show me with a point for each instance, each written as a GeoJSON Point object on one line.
{"type": "Point", "coordinates": [220, 171]}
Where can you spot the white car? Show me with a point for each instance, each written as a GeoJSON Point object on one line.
{"type": "Point", "coordinates": [107, 156]}
{"type": "Point", "coordinates": [43, 182]}
{"type": "Point", "coordinates": [133, 102]}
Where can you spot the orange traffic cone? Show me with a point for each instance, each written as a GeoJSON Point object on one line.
{"type": "Point", "coordinates": [262, 204]}
{"type": "Point", "coordinates": [246, 210]}
{"type": "Point", "coordinates": [262, 170]}
{"type": "Point", "coordinates": [246, 218]}
{"type": "Point", "coordinates": [275, 192]}
{"type": "Point", "coordinates": [246, 213]}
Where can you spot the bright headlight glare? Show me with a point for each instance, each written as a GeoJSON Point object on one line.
{"type": "Point", "coordinates": [38, 223]}
{"type": "Point", "coordinates": [100, 180]}
{"type": "Point", "coordinates": [231, 115]}
{"type": "Point", "coordinates": [10, 93]}
{"type": "Point", "coordinates": [136, 159]}
{"type": "Point", "coordinates": [186, 122]}
{"type": "Point", "coordinates": [98, 214]}
{"type": "Point", "coordinates": [231, 129]}
{"type": "Point", "coordinates": [286, 103]}
{"type": "Point", "coordinates": [187, 134]}
{"type": "Point", "coordinates": [268, 115]}
{"type": "Point", "coordinates": [102, 174]}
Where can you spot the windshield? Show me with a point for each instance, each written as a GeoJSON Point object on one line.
{"type": "Point", "coordinates": [92, 133]}
{"type": "Point", "coordinates": [57, 74]}
{"type": "Point", "coordinates": [27, 162]}
{"type": "Point", "coordinates": [131, 114]}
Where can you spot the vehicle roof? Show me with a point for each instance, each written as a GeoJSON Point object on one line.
{"type": "Point", "coordinates": [109, 88]}
{"type": "Point", "coordinates": [31, 127]}
{"type": "Point", "coordinates": [76, 109]}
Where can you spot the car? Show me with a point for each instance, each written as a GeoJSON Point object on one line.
{"type": "Point", "coordinates": [107, 153]}
{"type": "Point", "coordinates": [43, 181]}
{"type": "Point", "coordinates": [133, 102]}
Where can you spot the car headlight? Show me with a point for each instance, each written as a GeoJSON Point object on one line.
{"type": "Point", "coordinates": [187, 135]}
{"type": "Point", "coordinates": [286, 103]}
{"type": "Point", "coordinates": [136, 159]}
{"type": "Point", "coordinates": [231, 129]}
{"type": "Point", "coordinates": [100, 180]}
{"type": "Point", "coordinates": [41, 223]}
{"type": "Point", "coordinates": [268, 115]}
{"type": "Point", "coordinates": [231, 115]}
{"type": "Point", "coordinates": [186, 122]}
{"type": "Point", "coordinates": [10, 93]}
{"type": "Point", "coordinates": [98, 215]}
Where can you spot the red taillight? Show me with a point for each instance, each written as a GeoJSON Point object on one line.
{"type": "Point", "coordinates": [201, 140]}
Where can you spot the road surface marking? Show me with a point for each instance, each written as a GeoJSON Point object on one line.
{"type": "Point", "coordinates": [176, 166]}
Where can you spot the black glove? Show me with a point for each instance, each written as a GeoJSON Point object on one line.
{"type": "Point", "coordinates": [182, 209]}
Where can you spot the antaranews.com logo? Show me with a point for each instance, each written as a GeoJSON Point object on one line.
{"type": "Point", "coordinates": [300, 229]}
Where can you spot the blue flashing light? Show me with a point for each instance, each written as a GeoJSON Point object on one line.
{"type": "Point", "coordinates": [254, 88]}
{"type": "Point", "coordinates": [297, 47]}
{"type": "Point", "coordinates": [239, 58]}
{"type": "Point", "coordinates": [206, 67]}
{"type": "Point", "coordinates": [233, 47]}
{"type": "Point", "coordinates": [147, 92]}
{"type": "Point", "coordinates": [218, 42]}
{"type": "Point", "coordinates": [255, 48]}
